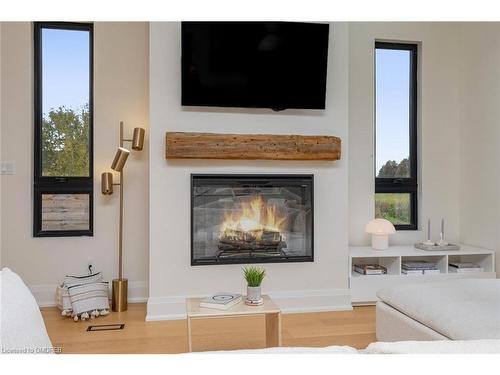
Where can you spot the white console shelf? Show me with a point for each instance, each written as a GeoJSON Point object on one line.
{"type": "Point", "coordinates": [364, 287]}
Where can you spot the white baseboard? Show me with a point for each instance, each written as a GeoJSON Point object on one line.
{"type": "Point", "coordinates": [45, 295]}
{"type": "Point", "coordinates": [173, 308]}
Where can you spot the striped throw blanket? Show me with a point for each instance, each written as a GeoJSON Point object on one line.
{"type": "Point", "coordinates": [80, 294]}
{"type": "Point", "coordinates": [88, 297]}
{"type": "Point", "coordinates": [79, 280]}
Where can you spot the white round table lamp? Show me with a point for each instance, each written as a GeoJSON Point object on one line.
{"type": "Point", "coordinates": [380, 230]}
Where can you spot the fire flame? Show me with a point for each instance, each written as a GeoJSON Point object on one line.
{"type": "Point", "coordinates": [255, 216]}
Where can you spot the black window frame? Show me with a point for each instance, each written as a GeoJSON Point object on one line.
{"type": "Point", "coordinates": [404, 184]}
{"type": "Point", "coordinates": [60, 185]}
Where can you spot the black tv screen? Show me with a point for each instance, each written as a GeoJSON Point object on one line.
{"type": "Point", "coordinates": [276, 65]}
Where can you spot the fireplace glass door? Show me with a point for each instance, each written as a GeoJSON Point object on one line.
{"type": "Point", "coordinates": [251, 219]}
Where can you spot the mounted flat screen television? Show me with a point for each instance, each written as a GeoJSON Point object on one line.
{"type": "Point", "coordinates": [276, 65]}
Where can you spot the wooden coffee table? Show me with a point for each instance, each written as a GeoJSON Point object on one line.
{"type": "Point", "coordinates": [269, 309]}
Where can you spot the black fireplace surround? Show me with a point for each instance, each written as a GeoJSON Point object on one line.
{"type": "Point", "coordinates": [261, 218]}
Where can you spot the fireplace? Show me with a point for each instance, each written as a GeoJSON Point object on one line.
{"type": "Point", "coordinates": [251, 219]}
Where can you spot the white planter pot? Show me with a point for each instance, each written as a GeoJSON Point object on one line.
{"type": "Point", "coordinates": [254, 293]}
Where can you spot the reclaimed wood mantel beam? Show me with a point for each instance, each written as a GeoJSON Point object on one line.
{"type": "Point", "coordinates": [181, 145]}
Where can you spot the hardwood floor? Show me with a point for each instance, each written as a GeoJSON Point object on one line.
{"type": "Point", "coordinates": [354, 328]}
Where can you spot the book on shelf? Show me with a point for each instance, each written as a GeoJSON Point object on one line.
{"type": "Point", "coordinates": [465, 270]}
{"type": "Point", "coordinates": [464, 265]}
{"type": "Point", "coordinates": [418, 265]}
{"type": "Point", "coordinates": [412, 272]}
{"type": "Point", "coordinates": [370, 269]}
{"type": "Point", "coordinates": [221, 301]}
{"type": "Point", "coordinates": [432, 272]}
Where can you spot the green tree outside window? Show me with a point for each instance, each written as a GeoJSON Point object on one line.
{"type": "Point", "coordinates": [65, 142]}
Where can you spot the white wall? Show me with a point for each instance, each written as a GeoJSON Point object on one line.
{"type": "Point", "coordinates": [439, 127]}
{"type": "Point", "coordinates": [1, 176]}
{"type": "Point", "coordinates": [318, 285]}
{"type": "Point", "coordinates": [459, 159]}
{"type": "Point", "coordinates": [121, 93]}
{"type": "Point", "coordinates": [480, 126]}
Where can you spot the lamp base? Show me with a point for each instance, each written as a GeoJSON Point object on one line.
{"type": "Point", "coordinates": [119, 295]}
{"type": "Point", "coordinates": [380, 241]}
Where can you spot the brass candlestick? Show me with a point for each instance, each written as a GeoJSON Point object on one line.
{"type": "Point", "coordinates": [119, 301]}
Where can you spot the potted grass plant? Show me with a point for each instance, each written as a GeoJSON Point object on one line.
{"type": "Point", "coordinates": [254, 277]}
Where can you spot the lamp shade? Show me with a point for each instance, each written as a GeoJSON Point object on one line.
{"type": "Point", "coordinates": [107, 183]}
{"type": "Point", "coordinates": [380, 226]}
{"type": "Point", "coordinates": [138, 139]}
{"type": "Point", "coordinates": [120, 159]}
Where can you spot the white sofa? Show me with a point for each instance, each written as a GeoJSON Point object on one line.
{"type": "Point", "coordinates": [435, 347]}
{"type": "Point", "coordinates": [22, 329]}
{"type": "Point", "coordinates": [446, 310]}
{"type": "Point", "coordinates": [401, 347]}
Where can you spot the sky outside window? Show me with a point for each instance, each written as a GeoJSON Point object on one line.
{"type": "Point", "coordinates": [65, 126]}
{"type": "Point", "coordinates": [392, 69]}
{"type": "Point", "coordinates": [65, 69]}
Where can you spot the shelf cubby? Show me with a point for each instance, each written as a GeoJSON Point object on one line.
{"type": "Point", "coordinates": [440, 261]}
{"type": "Point", "coordinates": [364, 288]}
{"type": "Point", "coordinates": [393, 265]}
{"type": "Point", "coordinates": [484, 260]}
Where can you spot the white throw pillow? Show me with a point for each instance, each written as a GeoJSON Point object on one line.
{"type": "Point", "coordinates": [22, 329]}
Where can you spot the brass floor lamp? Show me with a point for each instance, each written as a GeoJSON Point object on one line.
{"type": "Point", "coordinates": [119, 293]}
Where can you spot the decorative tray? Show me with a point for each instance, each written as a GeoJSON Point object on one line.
{"type": "Point", "coordinates": [449, 247]}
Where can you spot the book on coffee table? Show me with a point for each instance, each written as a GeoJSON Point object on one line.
{"type": "Point", "coordinates": [221, 301]}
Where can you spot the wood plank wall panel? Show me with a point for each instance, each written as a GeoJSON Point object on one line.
{"type": "Point", "coordinates": [181, 145]}
{"type": "Point", "coordinates": [65, 212]}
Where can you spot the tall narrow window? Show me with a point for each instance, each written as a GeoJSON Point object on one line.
{"type": "Point", "coordinates": [396, 134]}
{"type": "Point", "coordinates": [63, 170]}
